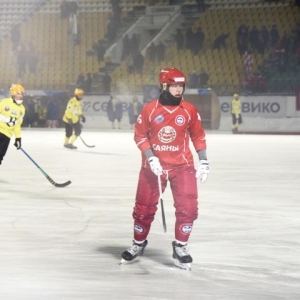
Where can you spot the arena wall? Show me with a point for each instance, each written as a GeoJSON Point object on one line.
{"type": "Point", "coordinates": [265, 114]}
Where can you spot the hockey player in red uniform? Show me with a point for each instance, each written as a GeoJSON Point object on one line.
{"type": "Point", "coordinates": [162, 133]}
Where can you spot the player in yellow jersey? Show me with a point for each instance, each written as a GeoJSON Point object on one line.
{"type": "Point", "coordinates": [236, 112]}
{"type": "Point", "coordinates": [12, 112]}
{"type": "Point", "coordinates": [71, 118]}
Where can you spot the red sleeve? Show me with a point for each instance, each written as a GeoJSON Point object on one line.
{"type": "Point", "coordinates": [142, 129]}
{"type": "Point", "coordinates": [196, 130]}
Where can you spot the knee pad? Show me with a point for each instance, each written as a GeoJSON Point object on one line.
{"type": "Point", "coordinates": [188, 212]}
{"type": "Point", "coordinates": [68, 131]}
{"type": "Point", "coordinates": [77, 129]}
{"type": "Point", "coordinates": [142, 212]}
{"type": "Point", "coordinates": [78, 132]}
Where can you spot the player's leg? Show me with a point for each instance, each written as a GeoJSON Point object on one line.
{"type": "Point", "coordinates": [184, 188]}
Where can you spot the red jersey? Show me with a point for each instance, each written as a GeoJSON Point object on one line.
{"type": "Point", "coordinates": [167, 130]}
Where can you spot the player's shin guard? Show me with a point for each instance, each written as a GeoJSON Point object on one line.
{"type": "Point", "coordinates": [73, 138]}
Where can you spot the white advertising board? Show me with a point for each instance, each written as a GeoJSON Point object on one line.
{"type": "Point", "coordinates": [262, 106]}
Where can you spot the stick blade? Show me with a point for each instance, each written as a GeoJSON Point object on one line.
{"type": "Point", "coordinates": [58, 184]}
{"type": "Point", "coordinates": [63, 184]}
{"type": "Point", "coordinates": [89, 146]}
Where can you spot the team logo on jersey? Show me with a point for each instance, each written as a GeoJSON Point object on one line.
{"type": "Point", "coordinates": [138, 229]}
{"type": "Point", "coordinates": [159, 119]}
{"type": "Point", "coordinates": [14, 112]}
{"type": "Point", "coordinates": [7, 108]}
{"type": "Point", "coordinates": [167, 134]}
{"type": "Point", "coordinates": [180, 120]}
{"type": "Point", "coordinates": [186, 229]}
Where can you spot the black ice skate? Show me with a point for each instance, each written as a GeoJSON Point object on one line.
{"type": "Point", "coordinates": [70, 146]}
{"type": "Point", "coordinates": [133, 251]}
{"type": "Point", "coordinates": [182, 258]}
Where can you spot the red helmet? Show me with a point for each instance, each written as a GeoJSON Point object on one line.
{"type": "Point", "coordinates": [171, 76]}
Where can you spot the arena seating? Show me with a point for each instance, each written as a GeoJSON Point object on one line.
{"type": "Point", "coordinates": [225, 66]}
{"type": "Point", "coordinates": [59, 62]}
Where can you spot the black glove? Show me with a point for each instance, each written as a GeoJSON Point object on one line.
{"type": "Point", "coordinates": [83, 119]}
{"type": "Point", "coordinates": [17, 143]}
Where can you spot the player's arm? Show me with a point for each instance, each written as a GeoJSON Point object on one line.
{"type": "Point", "coordinates": [69, 110]}
{"type": "Point", "coordinates": [196, 131]}
{"type": "Point", "coordinates": [141, 133]}
{"type": "Point", "coordinates": [17, 131]}
{"type": "Point", "coordinates": [198, 138]}
{"type": "Point", "coordinates": [3, 117]}
{"type": "Point", "coordinates": [141, 130]}
{"type": "Point", "coordinates": [80, 115]}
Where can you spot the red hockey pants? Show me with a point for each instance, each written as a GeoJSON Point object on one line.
{"type": "Point", "coordinates": [184, 189]}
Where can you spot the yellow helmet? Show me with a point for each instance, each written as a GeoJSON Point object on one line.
{"type": "Point", "coordinates": [16, 89]}
{"type": "Point", "coordinates": [78, 92]}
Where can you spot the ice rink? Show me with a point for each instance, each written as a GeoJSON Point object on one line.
{"type": "Point", "coordinates": [65, 243]}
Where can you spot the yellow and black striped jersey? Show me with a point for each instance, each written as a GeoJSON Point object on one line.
{"type": "Point", "coordinates": [11, 117]}
{"type": "Point", "coordinates": [73, 111]}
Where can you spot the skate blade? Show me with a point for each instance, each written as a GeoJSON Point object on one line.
{"type": "Point", "coordinates": [186, 266]}
{"type": "Point", "coordinates": [127, 262]}
{"type": "Point", "coordinates": [123, 261]}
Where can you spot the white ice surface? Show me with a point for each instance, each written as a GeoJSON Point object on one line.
{"type": "Point", "coordinates": [65, 243]}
